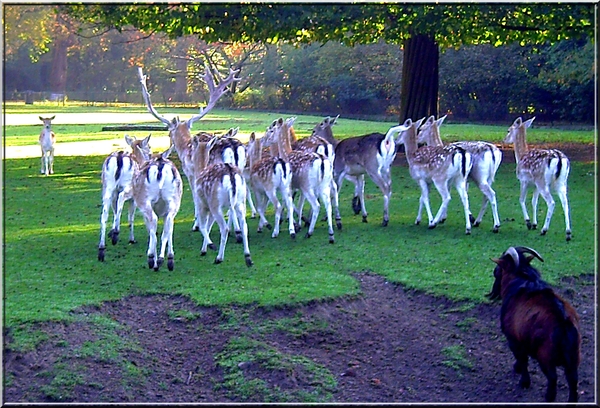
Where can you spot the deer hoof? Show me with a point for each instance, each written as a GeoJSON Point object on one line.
{"type": "Point", "coordinates": [101, 254]}
{"type": "Point", "coordinates": [475, 224]}
{"type": "Point", "coordinates": [161, 260]}
{"type": "Point", "coordinates": [364, 219]}
{"type": "Point", "coordinates": [212, 246]}
{"type": "Point", "coordinates": [203, 253]}
{"type": "Point", "coordinates": [132, 241]}
{"type": "Point", "coordinates": [443, 220]}
{"type": "Point", "coordinates": [307, 235]}
{"type": "Point", "coordinates": [472, 219]}
{"type": "Point", "coordinates": [331, 239]}
{"type": "Point", "coordinates": [218, 261]}
{"type": "Point", "coordinates": [249, 262]}
{"type": "Point", "coordinates": [432, 226]}
{"type": "Point", "coordinates": [543, 232]}
{"type": "Point", "coordinates": [568, 235]}
{"type": "Point", "coordinates": [338, 223]}
{"type": "Point", "coordinates": [356, 205]}
{"type": "Point", "coordinates": [114, 236]}
{"type": "Point", "coordinates": [151, 262]}
{"type": "Point", "coordinates": [293, 235]}
{"type": "Point", "coordinates": [238, 237]}
{"type": "Point", "coordinates": [528, 224]}
{"type": "Point", "coordinates": [496, 229]}
{"type": "Point", "coordinates": [385, 223]}
{"type": "Point", "coordinates": [269, 226]}
{"type": "Point", "coordinates": [468, 231]}
{"type": "Point", "coordinates": [170, 263]}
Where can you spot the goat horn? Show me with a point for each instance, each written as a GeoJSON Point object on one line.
{"type": "Point", "coordinates": [530, 251]}
{"type": "Point", "coordinates": [514, 255]}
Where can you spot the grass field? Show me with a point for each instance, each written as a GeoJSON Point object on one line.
{"type": "Point", "coordinates": [51, 231]}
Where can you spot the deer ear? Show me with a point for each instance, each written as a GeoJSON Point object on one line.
{"type": "Point", "coordinates": [52, 118]}
{"type": "Point", "coordinates": [129, 139]}
{"type": "Point", "coordinates": [528, 122]}
{"type": "Point", "coordinates": [518, 122]}
{"type": "Point", "coordinates": [441, 120]}
{"type": "Point", "coordinates": [167, 152]}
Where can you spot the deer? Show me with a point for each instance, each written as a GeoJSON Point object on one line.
{"type": "Point", "coordinates": [179, 131]}
{"type": "Point", "coordinates": [371, 154]}
{"type": "Point", "coordinates": [311, 174]}
{"type": "Point", "coordinates": [47, 140]}
{"type": "Point", "coordinates": [118, 171]}
{"type": "Point", "coordinates": [268, 175]}
{"type": "Point", "coordinates": [440, 165]}
{"type": "Point", "coordinates": [486, 161]}
{"type": "Point", "coordinates": [157, 191]}
{"type": "Point", "coordinates": [219, 186]}
{"type": "Point", "coordinates": [545, 169]}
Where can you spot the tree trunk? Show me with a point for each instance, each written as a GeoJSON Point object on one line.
{"type": "Point", "coordinates": [58, 72]}
{"type": "Point", "coordinates": [420, 78]}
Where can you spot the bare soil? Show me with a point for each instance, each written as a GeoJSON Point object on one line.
{"type": "Point", "coordinates": [386, 345]}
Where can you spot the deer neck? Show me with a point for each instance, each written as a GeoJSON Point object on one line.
{"type": "Point", "coordinates": [283, 142]}
{"type": "Point", "coordinates": [520, 144]}
{"type": "Point", "coordinates": [410, 144]}
{"type": "Point", "coordinates": [434, 137]}
{"type": "Point", "coordinates": [182, 139]}
{"type": "Point", "coordinates": [256, 153]}
{"type": "Point", "coordinates": [201, 156]}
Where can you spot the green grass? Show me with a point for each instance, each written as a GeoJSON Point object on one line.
{"type": "Point", "coordinates": [51, 231]}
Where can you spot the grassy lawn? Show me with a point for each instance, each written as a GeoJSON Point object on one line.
{"type": "Point", "coordinates": [51, 231]}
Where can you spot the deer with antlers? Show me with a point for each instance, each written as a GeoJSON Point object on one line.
{"type": "Point", "coordinates": [47, 139]}
{"type": "Point", "coordinates": [440, 165]}
{"type": "Point", "coordinates": [545, 169]}
{"type": "Point", "coordinates": [118, 172]}
{"type": "Point", "coordinates": [486, 161]}
{"type": "Point", "coordinates": [157, 191]}
{"type": "Point", "coordinates": [179, 131]}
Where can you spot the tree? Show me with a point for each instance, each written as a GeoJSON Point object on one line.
{"type": "Point", "coordinates": [421, 29]}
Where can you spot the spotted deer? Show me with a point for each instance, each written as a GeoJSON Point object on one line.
{"type": "Point", "coordinates": [219, 187]}
{"type": "Point", "coordinates": [440, 165]}
{"type": "Point", "coordinates": [157, 191]}
{"type": "Point", "coordinates": [545, 169]}
{"type": "Point", "coordinates": [371, 154]}
{"type": "Point", "coordinates": [486, 161]}
{"type": "Point", "coordinates": [179, 131]}
{"type": "Point", "coordinates": [118, 171]}
{"type": "Point", "coordinates": [47, 140]}
{"type": "Point", "coordinates": [311, 174]}
{"type": "Point", "coordinates": [269, 175]}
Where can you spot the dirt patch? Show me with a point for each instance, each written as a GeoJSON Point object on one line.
{"type": "Point", "coordinates": [386, 345]}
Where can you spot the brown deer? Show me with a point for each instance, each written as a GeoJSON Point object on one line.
{"type": "Point", "coordinates": [440, 165]}
{"type": "Point", "coordinates": [118, 172]}
{"type": "Point", "coordinates": [218, 187]}
{"type": "Point", "coordinates": [179, 131]}
{"type": "Point", "coordinates": [545, 169]}
{"type": "Point", "coordinates": [486, 161]}
{"type": "Point", "coordinates": [47, 140]}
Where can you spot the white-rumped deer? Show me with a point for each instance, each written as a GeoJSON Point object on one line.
{"type": "Point", "coordinates": [47, 140]}
{"type": "Point", "coordinates": [219, 187]}
{"type": "Point", "coordinates": [545, 169]}
{"type": "Point", "coordinates": [486, 160]}
{"type": "Point", "coordinates": [157, 191]}
{"type": "Point", "coordinates": [267, 176]}
{"type": "Point", "coordinates": [440, 165]}
{"type": "Point", "coordinates": [179, 131]}
{"type": "Point", "coordinates": [371, 154]}
{"type": "Point", "coordinates": [118, 172]}
{"type": "Point", "coordinates": [311, 174]}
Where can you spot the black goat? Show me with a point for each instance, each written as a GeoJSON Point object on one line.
{"type": "Point", "coordinates": [536, 321]}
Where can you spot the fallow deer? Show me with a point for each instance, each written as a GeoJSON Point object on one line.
{"type": "Point", "coordinates": [179, 131]}
{"type": "Point", "coordinates": [486, 160]}
{"type": "Point", "coordinates": [546, 169]}
{"type": "Point", "coordinates": [371, 154]}
{"type": "Point", "coordinates": [311, 174]}
{"type": "Point", "coordinates": [440, 165]}
{"type": "Point", "coordinates": [219, 186]}
{"type": "Point", "coordinates": [47, 140]}
{"type": "Point", "coordinates": [157, 190]}
{"type": "Point", "coordinates": [118, 172]}
{"type": "Point", "coordinates": [267, 176]}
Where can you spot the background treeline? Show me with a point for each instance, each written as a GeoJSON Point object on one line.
{"type": "Point", "coordinates": [477, 83]}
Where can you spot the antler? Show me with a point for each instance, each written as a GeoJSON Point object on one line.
{"type": "Point", "coordinates": [146, 96]}
{"type": "Point", "coordinates": [216, 91]}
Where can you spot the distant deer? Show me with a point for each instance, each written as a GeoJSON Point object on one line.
{"type": "Point", "coordinates": [486, 160]}
{"type": "Point", "coordinates": [118, 171]}
{"type": "Point", "coordinates": [546, 169]}
{"type": "Point", "coordinates": [47, 140]}
{"type": "Point", "coordinates": [179, 131]}
{"type": "Point", "coordinates": [440, 165]}
{"type": "Point", "coordinates": [157, 190]}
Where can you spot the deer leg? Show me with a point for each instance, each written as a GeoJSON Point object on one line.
{"type": "Point", "coordinates": [424, 201]}
{"type": "Point", "coordinates": [43, 162]}
{"type": "Point", "coordinates": [151, 220]}
{"type": "Point", "coordinates": [522, 198]}
{"type": "Point", "coordinates": [106, 199]}
{"type": "Point", "coordinates": [489, 195]}
{"type": "Point", "coordinates": [224, 229]}
{"type": "Point", "coordinates": [442, 188]}
{"type": "Point", "coordinates": [326, 200]}
{"type": "Point", "coordinates": [315, 207]}
{"type": "Point", "coordinates": [241, 214]}
{"type": "Point", "coordinates": [197, 204]}
{"type": "Point", "coordinates": [461, 188]}
{"type": "Point", "coordinates": [385, 185]}
{"type": "Point", "coordinates": [51, 160]}
{"type": "Point", "coordinates": [130, 218]}
{"type": "Point", "coordinates": [166, 240]}
{"type": "Point", "coordinates": [562, 195]}
{"type": "Point", "coordinates": [285, 193]}
{"type": "Point", "coordinates": [261, 205]}
{"type": "Point", "coordinates": [278, 208]}
{"type": "Point", "coordinates": [360, 190]}
{"type": "Point", "coordinates": [250, 202]}
{"type": "Point", "coordinates": [547, 196]}
{"type": "Point", "coordinates": [205, 227]}
{"type": "Point", "coordinates": [117, 211]}
{"type": "Point", "coordinates": [336, 204]}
